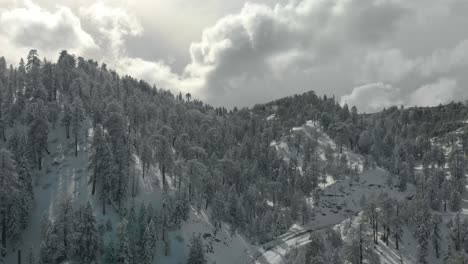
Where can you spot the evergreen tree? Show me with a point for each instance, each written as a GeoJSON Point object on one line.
{"type": "Point", "coordinates": [197, 252]}
{"type": "Point", "coordinates": [77, 117]}
{"type": "Point", "coordinates": [149, 243]}
{"type": "Point", "coordinates": [67, 118]}
{"type": "Point", "coordinates": [102, 164]}
{"type": "Point", "coordinates": [10, 201]}
{"type": "Point", "coordinates": [87, 240]}
{"type": "Point", "coordinates": [436, 234]}
{"type": "Point", "coordinates": [123, 247]}
{"type": "Point", "coordinates": [38, 133]}
{"type": "Point", "coordinates": [315, 249]}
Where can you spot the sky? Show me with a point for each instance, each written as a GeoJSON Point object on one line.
{"type": "Point", "coordinates": [368, 53]}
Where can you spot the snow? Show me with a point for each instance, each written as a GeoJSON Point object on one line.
{"type": "Point", "coordinates": [271, 117]}
{"type": "Point", "coordinates": [340, 199]}
{"type": "Point", "coordinates": [65, 175]}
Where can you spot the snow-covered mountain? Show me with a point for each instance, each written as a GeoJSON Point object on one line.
{"type": "Point", "coordinates": [99, 168]}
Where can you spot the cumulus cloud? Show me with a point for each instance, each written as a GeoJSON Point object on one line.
{"type": "Point", "coordinates": [372, 53]}
{"type": "Point", "coordinates": [386, 65]}
{"type": "Point", "coordinates": [30, 26]}
{"type": "Point", "coordinates": [440, 92]}
{"type": "Point", "coordinates": [373, 97]}
{"type": "Point", "coordinates": [111, 25]}
{"type": "Point", "coordinates": [264, 48]}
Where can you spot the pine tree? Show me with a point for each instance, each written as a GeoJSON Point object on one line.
{"type": "Point", "coordinates": [123, 247]}
{"type": "Point", "coordinates": [149, 243]}
{"type": "Point", "coordinates": [147, 156]}
{"type": "Point", "coordinates": [67, 118]}
{"type": "Point", "coordinates": [164, 156]}
{"type": "Point", "coordinates": [77, 117]}
{"type": "Point", "coordinates": [8, 192]}
{"type": "Point", "coordinates": [315, 249]}
{"type": "Point", "coordinates": [38, 133]}
{"type": "Point", "coordinates": [436, 234]}
{"type": "Point", "coordinates": [197, 252]}
{"type": "Point", "coordinates": [423, 229]}
{"type": "Point", "coordinates": [50, 246]}
{"type": "Point", "coordinates": [102, 164]}
{"type": "Point", "coordinates": [86, 242]}
{"type": "Point", "coordinates": [457, 231]}
{"type": "Point", "coordinates": [109, 253]}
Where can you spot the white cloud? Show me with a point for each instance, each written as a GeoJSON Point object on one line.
{"type": "Point", "coordinates": [440, 92]}
{"type": "Point", "coordinates": [262, 52]}
{"type": "Point", "coordinates": [29, 26]}
{"type": "Point", "coordinates": [373, 97]}
{"type": "Point", "coordinates": [445, 60]}
{"type": "Point", "coordinates": [113, 24]}
{"type": "Point", "coordinates": [386, 65]}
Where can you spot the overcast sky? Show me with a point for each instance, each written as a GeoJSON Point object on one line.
{"type": "Point", "coordinates": [368, 53]}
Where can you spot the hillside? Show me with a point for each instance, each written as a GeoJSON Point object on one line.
{"type": "Point", "coordinates": [102, 168]}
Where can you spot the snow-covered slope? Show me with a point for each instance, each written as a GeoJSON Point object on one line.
{"type": "Point", "coordinates": [340, 200]}
{"type": "Point", "coordinates": [65, 176]}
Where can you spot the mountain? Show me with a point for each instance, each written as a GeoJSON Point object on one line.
{"type": "Point", "coordinates": [102, 168]}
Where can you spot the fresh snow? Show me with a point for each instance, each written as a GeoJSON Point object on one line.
{"type": "Point", "coordinates": [340, 199]}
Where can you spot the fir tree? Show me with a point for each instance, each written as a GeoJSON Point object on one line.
{"type": "Point", "coordinates": [197, 252]}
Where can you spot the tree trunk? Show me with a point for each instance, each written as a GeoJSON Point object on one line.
{"type": "Point", "coordinates": [376, 239]}
{"type": "Point", "coordinates": [103, 202]}
{"type": "Point", "coordinates": [4, 230]}
{"type": "Point", "coordinates": [166, 248]}
{"type": "Point", "coordinates": [40, 162]}
{"type": "Point", "coordinates": [67, 131]}
{"type": "Point", "coordinates": [360, 245]}
{"type": "Point", "coordinates": [388, 234]}
{"type": "Point", "coordinates": [19, 256]}
{"type": "Point", "coordinates": [396, 242]}
{"type": "Point", "coordinates": [133, 185]}
{"type": "Point", "coordinates": [76, 145]}
{"type": "Point", "coordinates": [93, 191]}
{"type": "Point", "coordinates": [164, 174]}
{"type": "Point", "coordinates": [190, 191]}
{"type": "Point", "coordinates": [119, 189]}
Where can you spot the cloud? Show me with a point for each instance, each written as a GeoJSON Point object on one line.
{"type": "Point", "coordinates": [388, 48]}
{"type": "Point", "coordinates": [445, 60]}
{"type": "Point", "coordinates": [386, 65]}
{"type": "Point", "coordinates": [30, 26]}
{"type": "Point", "coordinates": [440, 92]}
{"type": "Point", "coordinates": [263, 48]}
{"type": "Point", "coordinates": [111, 25]}
{"type": "Point", "coordinates": [373, 97]}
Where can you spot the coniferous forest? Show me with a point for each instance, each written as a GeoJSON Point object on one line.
{"type": "Point", "coordinates": [144, 163]}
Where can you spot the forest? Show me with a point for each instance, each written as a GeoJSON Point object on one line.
{"type": "Point", "coordinates": [219, 161]}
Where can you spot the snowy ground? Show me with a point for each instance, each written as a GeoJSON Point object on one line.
{"type": "Point", "coordinates": [340, 199]}
{"type": "Point", "coordinates": [65, 175]}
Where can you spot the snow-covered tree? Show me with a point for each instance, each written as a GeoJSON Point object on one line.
{"type": "Point", "coordinates": [77, 117]}
{"type": "Point", "coordinates": [86, 240]}
{"type": "Point", "coordinates": [38, 132]}
{"type": "Point", "coordinates": [197, 251]}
